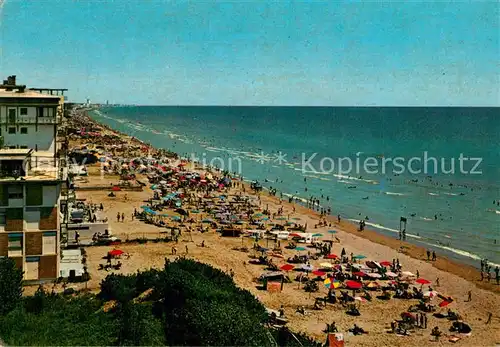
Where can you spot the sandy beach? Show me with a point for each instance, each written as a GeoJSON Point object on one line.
{"type": "Point", "coordinates": [448, 278]}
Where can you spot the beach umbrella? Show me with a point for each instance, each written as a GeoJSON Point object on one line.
{"type": "Point", "coordinates": [287, 267]}
{"type": "Point", "coordinates": [144, 207]}
{"type": "Point", "coordinates": [164, 215]}
{"type": "Point", "coordinates": [391, 274]}
{"type": "Point", "coordinates": [431, 294]}
{"type": "Point", "coordinates": [359, 298]}
{"type": "Point", "coordinates": [281, 218]}
{"type": "Point", "coordinates": [359, 273]}
{"type": "Point", "coordinates": [374, 275]}
{"type": "Point", "coordinates": [331, 256]}
{"type": "Point", "coordinates": [296, 218]}
{"type": "Point", "coordinates": [331, 283]}
{"type": "Point", "coordinates": [300, 249]}
{"type": "Point", "coordinates": [385, 263]}
{"type": "Point", "coordinates": [332, 231]}
{"type": "Point", "coordinates": [116, 252]}
{"type": "Point", "coordinates": [359, 256]}
{"type": "Point", "coordinates": [408, 274]}
{"type": "Point", "coordinates": [444, 303]}
{"type": "Point", "coordinates": [373, 285]}
{"type": "Point", "coordinates": [353, 285]}
{"type": "Point", "coordinates": [116, 189]}
{"type": "Point", "coordinates": [304, 267]}
{"type": "Point", "coordinates": [294, 235]}
{"type": "Point", "coordinates": [176, 218]}
{"type": "Point", "coordinates": [319, 273]}
{"type": "Point", "coordinates": [326, 265]}
{"type": "Point", "coordinates": [207, 220]}
{"type": "Point", "coordinates": [422, 281]}
{"type": "Point", "coordinates": [195, 211]}
{"type": "Point", "coordinates": [317, 235]}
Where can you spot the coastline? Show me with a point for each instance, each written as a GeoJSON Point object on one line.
{"type": "Point", "coordinates": [234, 255]}
{"type": "Point", "coordinates": [461, 269]}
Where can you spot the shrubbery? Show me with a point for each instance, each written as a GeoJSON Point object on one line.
{"type": "Point", "coordinates": [11, 285]}
{"type": "Point", "coordinates": [187, 303]}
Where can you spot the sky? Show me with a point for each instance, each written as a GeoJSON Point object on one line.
{"type": "Point", "coordinates": [338, 53]}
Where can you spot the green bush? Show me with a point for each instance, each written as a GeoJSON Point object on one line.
{"type": "Point", "coordinates": [11, 285]}
{"type": "Point", "coordinates": [190, 304]}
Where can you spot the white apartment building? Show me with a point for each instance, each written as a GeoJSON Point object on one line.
{"type": "Point", "coordinates": [30, 180]}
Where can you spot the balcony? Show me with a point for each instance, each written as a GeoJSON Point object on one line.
{"type": "Point", "coordinates": [31, 120]}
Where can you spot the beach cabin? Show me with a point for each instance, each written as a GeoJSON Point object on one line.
{"type": "Point", "coordinates": [272, 281]}
{"type": "Point", "coordinates": [256, 233]}
{"type": "Point", "coordinates": [281, 235]}
{"type": "Point", "coordinates": [305, 238]}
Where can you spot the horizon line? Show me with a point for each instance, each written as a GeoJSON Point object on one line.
{"type": "Point", "coordinates": [295, 106]}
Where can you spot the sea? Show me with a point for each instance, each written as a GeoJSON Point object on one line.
{"type": "Point", "coordinates": [436, 167]}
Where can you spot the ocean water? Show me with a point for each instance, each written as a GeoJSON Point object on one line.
{"type": "Point", "coordinates": [305, 151]}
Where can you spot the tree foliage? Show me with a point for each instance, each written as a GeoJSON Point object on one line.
{"type": "Point", "coordinates": [11, 285]}
{"type": "Point", "coordinates": [187, 303]}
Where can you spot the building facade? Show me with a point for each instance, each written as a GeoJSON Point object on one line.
{"type": "Point", "coordinates": [31, 180]}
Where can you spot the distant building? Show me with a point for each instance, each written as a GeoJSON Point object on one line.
{"type": "Point", "coordinates": [31, 179]}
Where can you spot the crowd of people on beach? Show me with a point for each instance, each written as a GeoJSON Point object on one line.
{"type": "Point", "coordinates": [188, 199]}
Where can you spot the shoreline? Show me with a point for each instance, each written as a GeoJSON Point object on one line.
{"type": "Point", "coordinates": [461, 269]}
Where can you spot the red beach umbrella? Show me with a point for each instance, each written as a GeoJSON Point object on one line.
{"type": "Point", "coordinates": [359, 273]}
{"type": "Point", "coordinates": [444, 303]}
{"type": "Point", "coordinates": [116, 189]}
{"type": "Point", "coordinates": [287, 267]}
{"type": "Point", "coordinates": [319, 273]}
{"type": "Point", "coordinates": [422, 281]}
{"type": "Point", "coordinates": [116, 252]}
{"type": "Point", "coordinates": [385, 263]}
{"type": "Point", "coordinates": [353, 285]}
{"type": "Point", "coordinates": [294, 235]}
{"type": "Point", "coordinates": [331, 256]}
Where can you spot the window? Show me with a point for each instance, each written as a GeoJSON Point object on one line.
{"type": "Point", "coordinates": [14, 214]}
{"type": "Point", "coordinates": [2, 218]}
{"type": "Point", "coordinates": [24, 130]}
{"type": "Point", "coordinates": [34, 195]}
{"type": "Point", "coordinates": [12, 115]}
{"type": "Point", "coordinates": [15, 191]}
{"type": "Point", "coordinates": [23, 147]}
{"type": "Point", "coordinates": [12, 130]}
{"type": "Point", "coordinates": [23, 111]}
{"type": "Point", "coordinates": [40, 112]}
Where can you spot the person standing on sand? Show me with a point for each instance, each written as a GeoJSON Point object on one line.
{"type": "Point", "coordinates": [118, 217]}
{"type": "Point", "coordinates": [490, 315]}
{"type": "Point", "coordinates": [123, 217]}
{"type": "Point", "coordinates": [469, 296]}
{"type": "Point", "coordinates": [428, 255]}
{"type": "Point", "coordinates": [338, 218]}
{"type": "Point", "coordinates": [497, 275]}
{"type": "Point", "coordinates": [433, 256]}
{"type": "Point", "coordinates": [187, 250]}
{"type": "Point", "coordinates": [437, 282]}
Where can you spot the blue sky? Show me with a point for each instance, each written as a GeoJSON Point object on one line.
{"type": "Point", "coordinates": [257, 52]}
